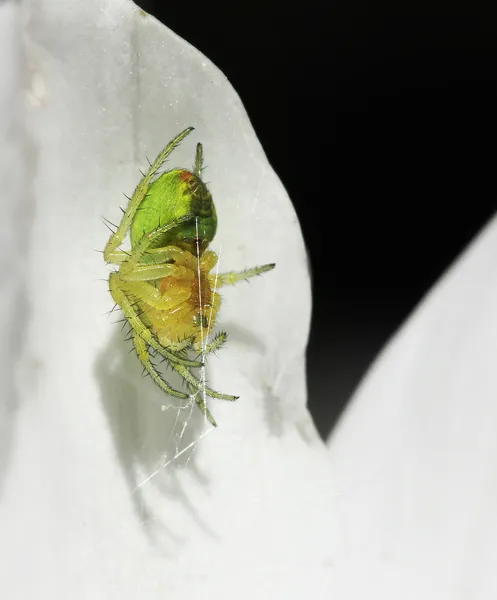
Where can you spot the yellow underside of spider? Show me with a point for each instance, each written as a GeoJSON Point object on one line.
{"type": "Point", "coordinates": [174, 313]}
{"type": "Point", "coordinates": [183, 304]}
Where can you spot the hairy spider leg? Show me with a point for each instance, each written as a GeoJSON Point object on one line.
{"type": "Point", "coordinates": [199, 161]}
{"type": "Point", "coordinates": [203, 407]}
{"type": "Point", "coordinates": [185, 373]}
{"type": "Point", "coordinates": [216, 343]}
{"type": "Point", "coordinates": [111, 252]}
{"type": "Point", "coordinates": [144, 292]}
{"type": "Point", "coordinates": [233, 277]}
{"type": "Point", "coordinates": [199, 399]}
{"type": "Point", "coordinates": [158, 271]}
{"type": "Point", "coordinates": [144, 356]}
{"type": "Point", "coordinates": [181, 346]}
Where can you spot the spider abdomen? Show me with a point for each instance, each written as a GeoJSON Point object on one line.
{"type": "Point", "coordinates": [175, 194]}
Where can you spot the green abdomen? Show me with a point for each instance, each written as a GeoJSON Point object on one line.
{"type": "Point", "coordinates": [175, 194]}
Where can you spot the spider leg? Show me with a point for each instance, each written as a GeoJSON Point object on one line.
{"type": "Point", "coordinates": [117, 238]}
{"type": "Point", "coordinates": [233, 277]}
{"type": "Point", "coordinates": [153, 272]}
{"type": "Point", "coordinates": [159, 255]}
{"type": "Point", "coordinates": [198, 385]}
{"type": "Point", "coordinates": [143, 355]}
{"type": "Point", "coordinates": [199, 161]}
{"type": "Point", "coordinates": [116, 257]}
{"type": "Point", "coordinates": [183, 345]}
{"type": "Point", "coordinates": [203, 407]}
{"type": "Point", "coordinates": [216, 343]}
{"type": "Point", "coordinates": [150, 295]}
{"type": "Point", "coordinates": [120, 297]}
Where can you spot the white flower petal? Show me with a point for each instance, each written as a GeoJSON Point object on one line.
{"type": "Point", "coordinates": [105, 495]}
{"type": "Point", "coordinates": [415, 457]}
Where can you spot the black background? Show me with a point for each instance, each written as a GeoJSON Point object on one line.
{"type": "Point", "coordinates": [394, 109]}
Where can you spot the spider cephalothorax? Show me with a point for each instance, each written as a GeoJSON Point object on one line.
{"type": "Point", "coordinates": [165, 284]}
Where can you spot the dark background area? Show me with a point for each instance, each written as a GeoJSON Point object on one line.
{"type": "Point", "coordinates": [396, 108]}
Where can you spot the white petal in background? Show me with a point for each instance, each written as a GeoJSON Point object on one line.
{"type": "Point", "coordinates": [14, 221]}
{"type": "Point", "coordinates": [414, 460]}
{"type": "Point", "coordinates": [105, 495]}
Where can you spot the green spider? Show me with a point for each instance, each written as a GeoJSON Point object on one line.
{"type": "Point", "coordinates": [164, 284]}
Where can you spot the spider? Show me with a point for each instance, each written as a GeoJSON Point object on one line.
{"type": "Point", "coordinates": [164, 284]}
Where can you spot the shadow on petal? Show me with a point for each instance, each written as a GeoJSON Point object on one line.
{"type": "Point", "coordinates": [154, 444]}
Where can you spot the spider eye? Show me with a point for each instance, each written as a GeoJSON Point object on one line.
{"type": "Point", "coordinates": [200, 320]}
